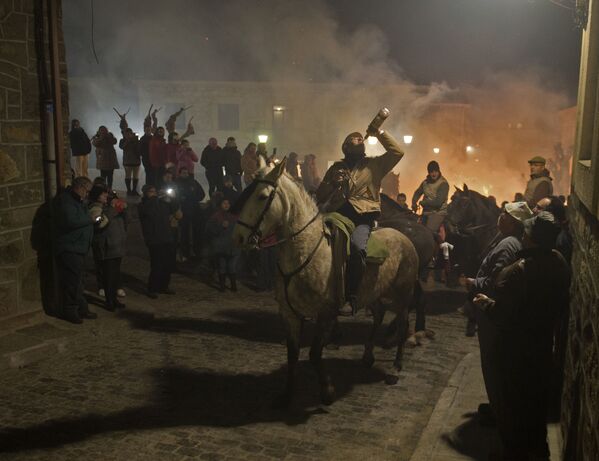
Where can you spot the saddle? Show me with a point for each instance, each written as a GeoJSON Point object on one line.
{"type": "Point", "coordinates": [338, 230]}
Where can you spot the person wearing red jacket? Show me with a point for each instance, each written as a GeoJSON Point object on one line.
{"type": "Point", "coordinates": [158, 157]}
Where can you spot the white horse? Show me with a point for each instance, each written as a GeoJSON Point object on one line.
{"type": "Point", "coordinates": [306, 284]}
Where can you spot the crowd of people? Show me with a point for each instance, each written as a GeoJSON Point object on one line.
{"type": "Point", "coordinates": [180, 221]}
{"type": "Point", "coordinates": [516, 300]}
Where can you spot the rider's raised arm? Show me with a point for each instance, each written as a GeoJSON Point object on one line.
{"type": "Point", "coordinates": [383, 164]}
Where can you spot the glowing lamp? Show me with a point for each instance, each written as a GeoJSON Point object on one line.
{"type": "Point", "coordinates": [263, 138]}
{"type": "Point", "coordinates": [436, 150]}
{"type": "Point", "coordinates": [372, 140]}
{"type": "Point", "coordinates": [469, 149]}
{"type": "Point", "coordinates": [408, 139]}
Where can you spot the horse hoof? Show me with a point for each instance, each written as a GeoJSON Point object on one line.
{"type": "Point", "coordinates": [368, 360]}
{"type": "Point", "coordinates": [412, 341]}
{"type": "Point", "coordinates": [397, 365]}
{"type": "Point", "coordinates": [327, 395]}
{"type": "Point", "coordinates": [390, 380]}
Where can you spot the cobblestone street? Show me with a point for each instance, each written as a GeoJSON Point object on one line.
{"type": "Point", "coordinates": [193, 376]}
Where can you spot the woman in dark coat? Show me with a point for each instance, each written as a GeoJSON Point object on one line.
{"type": "Point", "coordinates": [220, 230]}
{"type": "Point", "coordinates": [109, 241]}
{"type": "Point", "coordinates": [106, 160]}
{"type": "Point", "coordinates": [80, 148]}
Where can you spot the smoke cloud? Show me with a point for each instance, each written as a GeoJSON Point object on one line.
{"type": "Point", "coordinates": [506, 119]}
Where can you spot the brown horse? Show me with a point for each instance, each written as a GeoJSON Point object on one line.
{"type": "Point", "coordinates": [306, 284]}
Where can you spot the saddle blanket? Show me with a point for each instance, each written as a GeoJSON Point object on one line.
{"type": "Point", "coordinates": [376, 251]}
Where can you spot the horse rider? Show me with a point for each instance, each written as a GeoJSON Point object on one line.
{"type": "Point", "coordinates": [351, 187]}
{"type": "Point", "coordinates": [540, 184]}
{"type": "Point", "coordinates": [435, 190]}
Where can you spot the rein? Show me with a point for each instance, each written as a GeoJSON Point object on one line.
{"type": "Point", "coordinates": [255, 237]}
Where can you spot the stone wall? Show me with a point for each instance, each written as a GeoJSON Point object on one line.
{"type": "Point", "coordinates": [21, 164]}
{"type": "Point", "coordinates": [580, 403]}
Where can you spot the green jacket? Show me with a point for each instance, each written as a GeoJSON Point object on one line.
{"type": "Point", "coordinates": [435, 195]}
{"type": "Point", "coordinates": [73, 226]}
{"type": "Point", "coordinates": [362, 186]}
{"type": "Point", "coordinates": [538, 187]}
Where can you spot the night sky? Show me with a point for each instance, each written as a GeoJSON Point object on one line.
{"type": "Point", "coordinates": [457, 41]}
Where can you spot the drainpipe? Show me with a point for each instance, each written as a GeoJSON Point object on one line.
{"type": "Point", "coordinates": [57, 92]}
{"type": "Point", "coordinates": [46, 104]}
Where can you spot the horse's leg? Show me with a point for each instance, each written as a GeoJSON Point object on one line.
{"type": "Point", "coordinates": [293, 326]}
{"type": "Point", "coordinates": [403, 324]}
{"type": "Point", "coordinates": [391, 334]}
{"type": "Point", "coordinates": [324, 326]}
{"type": "Point", "coordinates": [378, 313]}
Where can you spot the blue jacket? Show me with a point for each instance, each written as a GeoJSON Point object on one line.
{"type": "Point", "coordinates": [73, 227]}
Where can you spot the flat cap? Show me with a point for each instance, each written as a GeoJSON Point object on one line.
{"type": "Point", "coordinates": [538, 159]}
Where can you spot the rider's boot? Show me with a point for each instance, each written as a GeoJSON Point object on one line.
{"type": "Point", "coordinates": [355, 271]}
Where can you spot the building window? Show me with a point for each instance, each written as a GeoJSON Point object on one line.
{"type": "Point", "coordinates": [228, 117]}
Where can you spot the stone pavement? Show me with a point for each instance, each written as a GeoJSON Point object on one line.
{"type": "Point", "coordinates": [193, 376]}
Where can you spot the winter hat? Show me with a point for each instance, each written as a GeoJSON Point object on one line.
{"type": "Point", "coordinates": [518, 210]}
{"type": "Point", "coordinates": [433, 166]}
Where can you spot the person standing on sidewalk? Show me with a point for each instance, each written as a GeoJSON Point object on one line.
{"type": "Point", "coordinates": [155, 218]}
{"type": "Point", "coordinates": [109, 241]}
{"type": "Point", "coordinates": [220, 230]}
{"type": "Point", "coordinates": [80, 147]}
{"type": "Point", "coordinates": [511, 227]}
{"type": "Point", "coordinates": [72, 235]}
{"type": "Point", "coordinates": [530, 296]}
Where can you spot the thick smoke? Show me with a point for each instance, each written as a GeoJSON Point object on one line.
{"type": "Point", "coordinates": [303, 42]}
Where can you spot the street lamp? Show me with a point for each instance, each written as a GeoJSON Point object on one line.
{"type": "Point", "coordinates": [408, 139]}
{"type": "Point", "coordinates": [436, 150]}
{"type": "Point", "coordinates": [263, 138]}
{"type": "Point", "coordinates": [372, 140]}
{"type": "Point", "coordinates": [469, 149]}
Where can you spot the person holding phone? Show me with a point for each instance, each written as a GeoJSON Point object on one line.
{"type": "Point", "coordinates": [109, 241]}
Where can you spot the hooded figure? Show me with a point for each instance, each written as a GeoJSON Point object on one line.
{"type": "Point", "coordinates": [351, 187]}
{"type": "Point", "coordinates": [434, 190]}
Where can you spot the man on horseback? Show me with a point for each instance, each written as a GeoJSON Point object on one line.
{"type": "Point", "coordinates": [351, 187]}
{"type": "Point", "coordinates": [435, 190]}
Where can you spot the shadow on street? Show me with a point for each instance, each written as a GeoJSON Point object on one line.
{"type": "Point", "coordinates": [185, 397]}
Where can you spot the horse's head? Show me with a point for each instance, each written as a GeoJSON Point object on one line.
{"type": "Point", "coordinates": [261, 209]}
{"type": "Point", "coordinates": [460, 211]}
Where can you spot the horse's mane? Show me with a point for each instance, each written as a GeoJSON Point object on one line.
{"type": "Point", "coordinates": [303, 195]}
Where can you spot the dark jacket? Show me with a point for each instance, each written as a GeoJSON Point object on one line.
{"type": "Point", "coordinates": [232, 160]}
{"type": "Point", "coordinates": [501, 256]}
{"type": "Point", "coordinates": [109, 240]}
{"type": "Point", "coordinates": [131, 151]}
{"type": "Point", "coordinates": [144, 149]}
{"type": "Point", "coordinates": [105, 153]}
{"type": "Point", "coordinates": [73, 227]}
{"type": "Point", "coordinates": [154, 216]}
{"type": "Point", "coordinates": [531, 294]}
{"type": "Point", "coordinates": [221, 237]}
{"type": "Point", "coordinates": [190, 193]}
{"type": "Point", "coordinates": [230, 194]}
{"type": "Point", "coordinates": [80, 144]}
{"type": "Point", "coordinates": [212, 159]}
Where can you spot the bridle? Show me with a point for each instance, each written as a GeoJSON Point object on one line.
{"type": "Point", "coordinates": [255, 234]}
{"type": "Point", "coordinates": [255, 237]}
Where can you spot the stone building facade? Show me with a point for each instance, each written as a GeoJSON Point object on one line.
{"type": "Point", "coordinates": [580, 399]}
{"type": "Point", "coordinates": [21, 157]}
